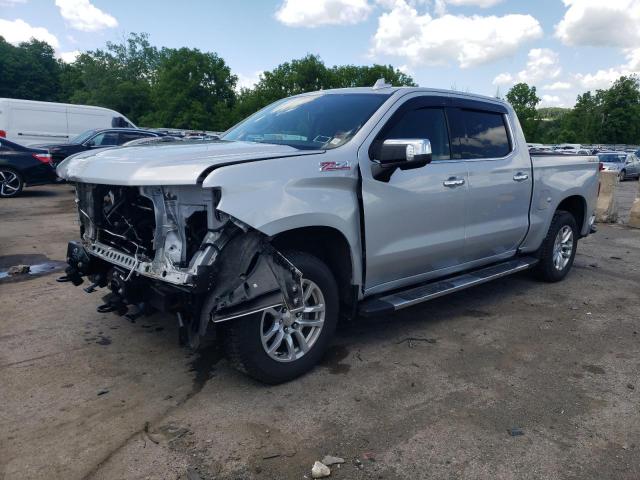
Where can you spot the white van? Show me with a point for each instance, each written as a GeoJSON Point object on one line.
{"type": "Point", "coordinates": [28, 122]}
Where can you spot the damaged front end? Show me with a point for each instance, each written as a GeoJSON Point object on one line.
{"type": "Point", "coordinates": [170, 249]}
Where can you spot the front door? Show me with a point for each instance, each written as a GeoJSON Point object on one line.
{"type": "Point", "coordinates": [414, 220]}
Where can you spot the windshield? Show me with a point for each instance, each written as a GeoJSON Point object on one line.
{"type": "Point", "coordinates": [612, 158]}
{"type": "Point", "coordinates": [319, 121]}
{"type": "Point", "coordinates": [83, 137]}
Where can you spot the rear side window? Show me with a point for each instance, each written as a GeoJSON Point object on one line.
{"type": "Point", "coordinates": [478, 134]}
{"type": "Point", "coordinates": [424, 123]}
{"type": "Point", "coordinates": [106, 139]}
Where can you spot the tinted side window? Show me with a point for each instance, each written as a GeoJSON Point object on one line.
{"type": "Point", "coordinates": [476, 134]}
{"type": "Point", "coordinates": [106, 139]}
{"type": "Point", "coordinates": [423, 123]}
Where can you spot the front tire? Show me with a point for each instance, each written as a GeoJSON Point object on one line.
{"type": "Point", "coordinates": [11, 183]}
{"type": "Point", "coordinates": [273, 346]}
{"type": "Point", "coordinates": [622, 175]}
{"type": "Point", "coordinates": [558, 249]}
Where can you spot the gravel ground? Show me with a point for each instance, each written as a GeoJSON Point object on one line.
{"type": "Point", "coordinates": [431, 392]}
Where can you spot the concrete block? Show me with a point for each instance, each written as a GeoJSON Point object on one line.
{"type": "Point", "coordinates": [634, 216]}
{"type": "Point", "coordinates": [607, 207]}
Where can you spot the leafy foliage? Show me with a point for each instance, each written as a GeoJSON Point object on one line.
{"type": "Point", "coordinates": [187, 88]}
{"type": "Point", "coordinates": [29, 71]}
{"type": "Point", "coordinates": [524, 101]}
{"type": "Point", "coordinates": [606, 116]}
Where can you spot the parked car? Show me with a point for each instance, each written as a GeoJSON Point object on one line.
{"type": "Point", "coordinates": [96, 139]}
{"type": "Point", "coordinates": [625, 165]}
{"type": "Point", "coordinates": [29, 122]}
{"type": "Point", "coordinates": [360, 200]}
{"type": "Point", "coordinates": [151, 141]}
{"type": "Point", "coordinates": [23, 166]}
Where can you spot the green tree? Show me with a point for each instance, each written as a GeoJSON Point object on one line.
{"type": "Point", "coordinates": [524, 101]}
{"type": "Point", "coordinates": [192, 90]}
{"type": "Point", "coordinates": [365, 76]}
{"type": "Point", "coordinates": [309, 74]}
{"type": "Point", "coordinates": [119, 77]}
{"type": "Point", "coordinates": [620, 110]}
{"type": "Point", "coordinates": [29, 71]}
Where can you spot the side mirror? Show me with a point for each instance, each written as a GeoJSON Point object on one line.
{"type": "Point", "coordinates": [404, 153]}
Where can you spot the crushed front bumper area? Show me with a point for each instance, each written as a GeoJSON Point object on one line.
{"type": "Point", "coordinates": [168, 248]}
{"type": "Point", "coordinates": [248, 276]}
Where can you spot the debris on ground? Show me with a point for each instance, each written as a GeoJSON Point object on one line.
{"type": "Point", "coordinates": [19, 270]}
{"type": "Point", "coordinates": [192, 474]}
{"type": "Point", "coordinates": [103, 392]}
{"type": "Point", "coordinates": [331, 460]}
{"type": "Point", "coordinates": [411, 340]}
{"type": "Point", "coordinates": [516, 431]}
{"type": "Point", "coordinates": [370, 455]}
{"type": "Point", "coordinates": [631, 386]}
{"type": "Point", "coordinates": [320, 470]}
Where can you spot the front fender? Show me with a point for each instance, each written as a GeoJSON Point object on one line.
{"type": "Point", "coordinates": [278, 195]}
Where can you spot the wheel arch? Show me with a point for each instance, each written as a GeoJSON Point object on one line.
{"type": "Point", "coordinates": [576, 205]}
{"type": "Point", "coordinates": [332, 247]}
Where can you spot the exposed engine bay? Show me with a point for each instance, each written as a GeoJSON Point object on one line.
{"type": "Point", "coordinates": [170, 249]}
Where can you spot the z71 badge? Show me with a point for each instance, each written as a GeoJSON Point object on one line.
{"type": "Point", "coordinates": [334, 166]}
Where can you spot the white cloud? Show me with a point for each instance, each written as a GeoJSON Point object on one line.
{"type": "Point", "coordinates": [551, 101]}
{"type": "Point", "coordinates": [305, 13]}
{"type": "Point", "coordinates": [16, 31]}
{"type": "Point", "coordinates": [542, 64]}
{"type": "Point", "coordinates": [248, 81]}
{"type": "Point", "coordinates": [612, 23]}
{"type": "Point", "coordinates": [503, 79]}
{"type": "Point", "coordinates": [84, 16]}
{"type": "Point", "coordinates": [557, 86]}
{"type": "Point", "coordinates": [475, 3]}
{"type": "Point", "coordinates": [68, 57]}
{"type": "Point", "coordinates": [470, 41]}
{"type": "Point", "coordinates": [605, 77]}
{"type": "Point", "coordinates": [600, 79]}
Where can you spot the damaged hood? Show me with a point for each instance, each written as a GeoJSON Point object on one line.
{"type": "Point", "coordinates": [176, 164]}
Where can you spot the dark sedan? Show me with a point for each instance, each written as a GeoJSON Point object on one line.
{"type": "Point", "coordinates": [101, 138]}
{"type": "Point", "coordinates": [23, 166]}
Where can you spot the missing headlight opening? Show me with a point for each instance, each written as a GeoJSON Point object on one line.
{"type": "Point", "coordinates": [170, 249]}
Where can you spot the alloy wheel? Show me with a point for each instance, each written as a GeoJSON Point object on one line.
{"type": "Point", "coordinates": [10, 183]}
{"type": "Point", "coordinates": [287, 337]}
{"type": "Point", "coordinates": [563, 247]}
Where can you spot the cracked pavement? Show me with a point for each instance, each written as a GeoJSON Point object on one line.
{"type": "Point", "coordinates": [430, 392]}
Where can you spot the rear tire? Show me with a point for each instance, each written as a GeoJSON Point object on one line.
{"type": "Point", "coordinates": [558, 249]}
{"type": "Point", "coordinates": [247, 339]}
{"type": "Point", "coordinates": [11, 183]}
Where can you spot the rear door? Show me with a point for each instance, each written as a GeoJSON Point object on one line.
{"type": "Point", "coordinates": [413, 219]}
{"type": "Point", "coordinates": [500, 179]}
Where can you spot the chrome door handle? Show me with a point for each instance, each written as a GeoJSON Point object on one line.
{"type": "Point", "coordinates": [521, 176]}
{"type": "Point", "coordinates": [452, 182]}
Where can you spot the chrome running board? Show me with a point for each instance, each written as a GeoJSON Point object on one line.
{"type": "Point", "coordinates": [387, 303]}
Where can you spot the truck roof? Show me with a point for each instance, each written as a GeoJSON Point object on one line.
{"type": "Point", "coordinates": [391, 90]}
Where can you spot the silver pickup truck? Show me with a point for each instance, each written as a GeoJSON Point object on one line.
{"type": "Point", "coordinates": [338, 203]}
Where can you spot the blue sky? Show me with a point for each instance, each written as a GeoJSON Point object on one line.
{"type": "Point", "coordinates": [564, 47]}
